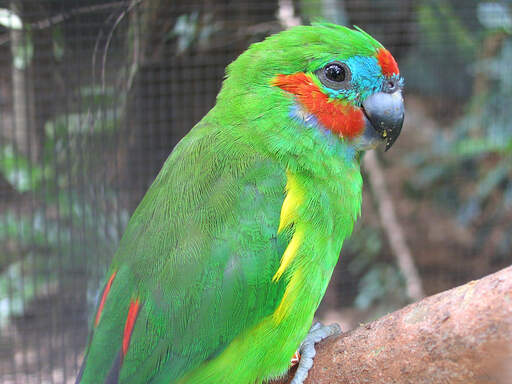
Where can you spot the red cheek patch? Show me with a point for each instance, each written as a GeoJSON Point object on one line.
{"type": "Point", "coordinates": [387, 63]}
{"type": "Point", "coordinates": [340, 118]}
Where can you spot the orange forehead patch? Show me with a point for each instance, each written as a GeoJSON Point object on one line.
{"type": "Point", "coordinates": [387, 63]}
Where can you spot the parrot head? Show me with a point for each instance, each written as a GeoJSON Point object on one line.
{"type": "Point", "coordinates": [335, 79]}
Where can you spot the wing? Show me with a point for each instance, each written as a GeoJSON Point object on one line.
{"type": "Point", "coordinates": [194, 267]}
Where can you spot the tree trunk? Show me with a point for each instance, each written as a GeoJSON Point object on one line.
{"type": "Point", "coordinates": [23, 92]}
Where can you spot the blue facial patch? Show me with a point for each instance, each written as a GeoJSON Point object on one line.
{"type": "Point", "coordinates": [366, 78]}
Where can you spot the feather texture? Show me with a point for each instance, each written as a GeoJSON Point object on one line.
{"type": "Point", "coordinates": [226, 259]}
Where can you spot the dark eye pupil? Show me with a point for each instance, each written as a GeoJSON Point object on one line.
{"type": "Point", "coordinates": [335, 72]}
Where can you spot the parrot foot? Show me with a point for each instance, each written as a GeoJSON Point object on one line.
{"type": "Point", "coordinates": [307, 352]}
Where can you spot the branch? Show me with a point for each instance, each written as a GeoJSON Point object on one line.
{"type": "Point", "coordinates": [61, 17]}
{"type": "Point", "coordinates": [460, 336]}
{"type": "Point", "coordinates": [392, 228]}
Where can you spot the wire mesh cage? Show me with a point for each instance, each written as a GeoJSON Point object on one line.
{"type": "Point", "coordinates": [94, 94]}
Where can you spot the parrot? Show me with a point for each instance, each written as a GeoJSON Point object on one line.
{"type": "Point", "coordinates": [224, 262]}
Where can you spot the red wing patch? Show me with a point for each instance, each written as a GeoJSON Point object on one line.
{"type": "Point", "coordinates": [103, 298]}
{"type": "Point", "coordinates": [130, 322]}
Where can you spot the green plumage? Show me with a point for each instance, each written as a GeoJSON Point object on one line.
{"type": "Point", "coordinates": [201, 250]}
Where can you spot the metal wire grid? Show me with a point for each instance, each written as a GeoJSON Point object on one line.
{"type": "Point", "coordinates": [103, 128]}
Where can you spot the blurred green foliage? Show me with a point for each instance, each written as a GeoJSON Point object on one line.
{"type": "Point", "coordinates": [447, 40]}
{"type": "Point", "coordinates": [469, 166]}
{"type": "Point", "coordinates": [69, 225]}
{"type": "Point", "coordinates": [41, 250]}
{"type": "Point", "coordinates": [380, 284]}
{"type": "Point", "coordinates": [20, 172]}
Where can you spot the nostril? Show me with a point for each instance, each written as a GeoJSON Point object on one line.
{"type": "Point", "coordinates": [391, 85]}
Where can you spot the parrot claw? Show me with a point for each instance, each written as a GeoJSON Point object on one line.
{"type": "Point", "coordinates": [317, 333]}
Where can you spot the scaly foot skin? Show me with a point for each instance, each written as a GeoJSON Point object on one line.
{"type": "Point", "coordinates": [317, 333]}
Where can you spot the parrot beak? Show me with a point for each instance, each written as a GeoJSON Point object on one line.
{"type": "Point", "coordinates": [384, 116]}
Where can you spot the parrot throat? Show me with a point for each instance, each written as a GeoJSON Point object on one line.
{"type": "Point", "coordinates": [339, 117]}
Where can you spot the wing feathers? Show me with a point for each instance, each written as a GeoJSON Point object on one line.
{"type": "Point", "coordinates": [113, 374]}
{"type": "Point", "coordinates": [130, 322]}
{"type": "Point", "coordinates": [103, 298]}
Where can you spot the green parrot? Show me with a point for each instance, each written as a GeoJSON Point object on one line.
{"type": "Point", "coordinates": [226, 259]}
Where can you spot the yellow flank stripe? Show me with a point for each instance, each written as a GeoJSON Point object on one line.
{"type": "Point", "coordinates": [290, 252]}
{"type": "Point", "coordinates": [290, 294]}
{"type": "Point", "coordinates": [294, 198]}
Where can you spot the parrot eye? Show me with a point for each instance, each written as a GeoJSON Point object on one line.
{"type": "Point", "coordinates": [335, 75]}
{"type": "Point", "coordinates": [335, 72]}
